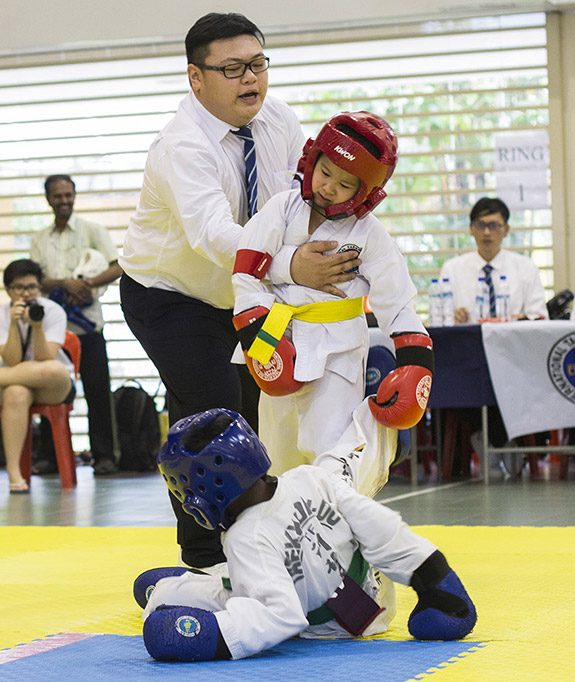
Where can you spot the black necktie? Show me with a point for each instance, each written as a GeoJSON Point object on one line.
{"type": "Point", "coordinates": [246, 135]}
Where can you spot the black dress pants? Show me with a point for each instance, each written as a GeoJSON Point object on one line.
{"type": "Point", "coordinates": [95, 375]}
{"type": "Point", "coordinates": [191, 344]}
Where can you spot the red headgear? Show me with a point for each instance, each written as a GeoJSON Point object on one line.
{"type": "Point", "coordinates": [335, 141]}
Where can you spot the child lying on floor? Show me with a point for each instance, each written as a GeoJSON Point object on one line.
{"type": "Point", "coordinates": [298, 546]}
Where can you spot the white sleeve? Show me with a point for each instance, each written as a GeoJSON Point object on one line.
{"type": "Point", "coordinates": [187, 178]}
{"type": "Point", "coordinates": [391, 293]}
{"type": "Point", "coordinates": [35, 251]}
{"type": "Point", "coordinates": [264, 233]}
{"type": "Point", "coordinates": [446, 271]}
{"type": "Point", "coordinates": [54, 322]}
{"type": "Point", "coordinates": [265, 608]}
{"type": "Point", "coordinates": [4, 324]}
{"type": "Point", "coordinates": [385, 540]}
{"type": "Point", "coordinates": [101, 240]}
{"type": "Point", "coordinates": [279, 272]}
{"type": "Point", "coordinates": [262, 610]}
{"type": "Point", "coordinates": [534, 294]}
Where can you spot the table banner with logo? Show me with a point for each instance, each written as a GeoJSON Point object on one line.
{"type": "Point", "coordinates": [532, 369]}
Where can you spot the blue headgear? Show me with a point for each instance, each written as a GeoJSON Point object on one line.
{"type": "Point", "coordinates": [207, 481]}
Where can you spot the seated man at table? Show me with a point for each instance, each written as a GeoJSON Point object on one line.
{"type": "Point", "coordinates": [488, 223]}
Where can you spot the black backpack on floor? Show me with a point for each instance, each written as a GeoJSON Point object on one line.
{"type": "Point", "coordinates": [138, 427]}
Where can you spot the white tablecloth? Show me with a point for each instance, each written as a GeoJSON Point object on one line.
{"type": "Point", "coordinates": [532, 369]}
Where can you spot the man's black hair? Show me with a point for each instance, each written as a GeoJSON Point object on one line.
{"type": "Point", "coordinates": [487, 206]}
{"type": "Point", "coordinates": [368, 145]}
{"type": "Point", "coordinates": [21, 268]}
{"type": "Point", "coordinates": [58, 178]}
{"type": "Point", "coordinates": [217, 26]}
{"type": "Point", "coordinates": [197, 439]}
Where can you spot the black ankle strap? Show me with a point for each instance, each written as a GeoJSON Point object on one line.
{"type": "Point", "coordinates": [431, 572]}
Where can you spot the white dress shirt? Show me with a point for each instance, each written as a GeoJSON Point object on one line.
{"type": "Point", "coordinates": [338, 346]}
{"type": "Point", "coordinates": [186, 229]}
{"type": "Point", "coordinates": [59, 253]}
{"type": "Point", "coordinates": [527, 296]}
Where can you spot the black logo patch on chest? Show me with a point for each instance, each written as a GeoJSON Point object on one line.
{"type": "Point", "coordinates": [350, 247]}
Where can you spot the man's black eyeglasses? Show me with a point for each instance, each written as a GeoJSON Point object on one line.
{"type": "Point", "coordinates": [257, 65]}
{"type": "Point", "coordinates": [492, 226]}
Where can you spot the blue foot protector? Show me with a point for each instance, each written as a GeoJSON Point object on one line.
{"type": "Point", "coordinates": [146, 581]}
{"type": "Point", "coordinates": [181, 633]}
{"type": "Point", "coordinates": [444, 610]}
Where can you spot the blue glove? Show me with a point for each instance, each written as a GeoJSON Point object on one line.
{"type": "Point", "coordinates": [146, 581]}
{"type": "Point", "coordinates": [444, 610]}
{"type": "Point", "coordinates": [183, 633]}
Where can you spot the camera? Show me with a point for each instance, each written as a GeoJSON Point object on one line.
{"type": "Point", "coordinates": [558, 306]}
{"type": "Point", "coordinates": [35, 311]}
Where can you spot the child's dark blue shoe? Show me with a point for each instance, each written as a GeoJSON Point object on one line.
{"type": "Point", "coordinates": [146, 581]}
{"type": "Point", "coordinates": [444, 610]}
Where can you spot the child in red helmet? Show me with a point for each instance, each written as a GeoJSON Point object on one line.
{"type": "Point", "coordinates": [298, 548]}
{"type": "Point", "coordinates": [307, 349]}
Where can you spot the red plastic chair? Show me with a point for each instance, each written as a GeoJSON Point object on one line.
{"type": "Point", "coordinates": [58, 416]}
{"type": "Point", "coordinates": [561, 461]}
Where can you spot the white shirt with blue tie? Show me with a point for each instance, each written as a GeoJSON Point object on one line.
{"type": "Point", "coordinates": [526, 293]}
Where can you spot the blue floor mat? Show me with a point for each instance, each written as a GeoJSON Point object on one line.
{"type": "Point", "coordinates": [103, 658]}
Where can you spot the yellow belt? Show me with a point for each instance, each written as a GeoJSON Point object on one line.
{"type": "Point", "coordinates": [280, 315]}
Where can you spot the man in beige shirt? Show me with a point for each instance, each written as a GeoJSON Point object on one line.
{"type": "Point", "coordinates": [59, 249]}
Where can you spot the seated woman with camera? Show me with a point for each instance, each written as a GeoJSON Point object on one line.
{"type": "Point", "coordinates": [33, 367]}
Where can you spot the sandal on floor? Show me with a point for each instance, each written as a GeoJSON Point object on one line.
{"type": "Point", "coordinates": [20, 488]}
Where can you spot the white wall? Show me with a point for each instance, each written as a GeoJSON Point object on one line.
{"type": "Point", "coordinates": [38, 23]}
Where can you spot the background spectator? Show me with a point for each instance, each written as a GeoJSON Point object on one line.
{"type": "Point", "coordinates": [34, 369]}
{"type": "Point", "coordinates": [59, 249]}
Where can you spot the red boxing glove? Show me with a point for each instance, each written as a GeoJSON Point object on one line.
{"type": "Point", "coordinates": [403, 394]}
{"type": "Point", "coordinates": [275, 378]}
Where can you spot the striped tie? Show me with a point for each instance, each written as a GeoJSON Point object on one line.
{"type": "Point", "coordinates": [245, 134]}
{"type": "Point", "coordinates": [492, 307]}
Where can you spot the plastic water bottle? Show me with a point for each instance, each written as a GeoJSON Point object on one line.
{"type": "Point", "coordinates": [447, 302]}
{"type": "Point", "coordinates": [502, 299]}
{"type": "Point", "coordinates": [481, 300]}
{"type": "Point", "coordinates": [435, 314]}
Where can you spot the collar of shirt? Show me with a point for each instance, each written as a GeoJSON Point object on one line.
{"type": "Point", "coordinates": [496, 263]}
{"type": "Point", "coordinates": [214, 127]}
{"type": "Point", "coordinates": [71, 224]}
{"type": "Point", "coordinates": [328, 229]}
